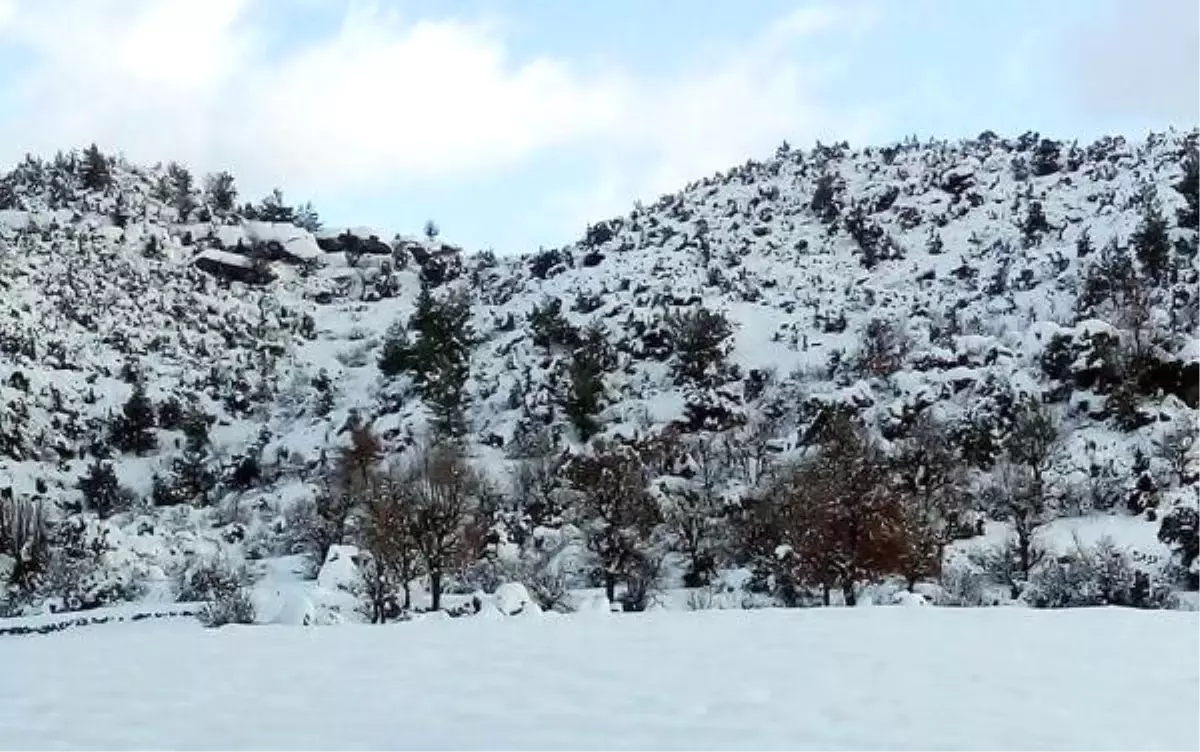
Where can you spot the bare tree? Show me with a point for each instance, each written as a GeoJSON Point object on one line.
{"type": "Point", "coordinates": [1018, 492]}
{"type": "Point", "coordinates": [617, 512]}
{"type": "Point", "coordinates": [442, 491]}
{"type": "Point", "coordinates": [537, 487]}
{"type": "Point", "coordinates": [748, 449]}
{"type": "Point", "coordinates": [388, 536]}
{"type": "Point", "coordinates": [1016, 496]}
{"type": "Point", "coordinates": [1033, 440]}
{"type": "Point", "coordinates": [327, 520]}
{"type": "Point", "coordinates": [1002, 563]}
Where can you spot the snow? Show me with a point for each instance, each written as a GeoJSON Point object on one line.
{"type": "Point", "coordinates": [512, 598]}
{"type": "Point", "coordinates": [879, 678]}
{"type": "Point", "coordinates": [14, 219]}
{"type": "Point", "coordinates": [225, 258]}
{"type": "Point", "coordinates": [339, 571]}
{"type": "Point", "coordinates": [296, 241]}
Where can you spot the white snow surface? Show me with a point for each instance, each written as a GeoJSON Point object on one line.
{"type": "Point", "coordinates": [893, 678]}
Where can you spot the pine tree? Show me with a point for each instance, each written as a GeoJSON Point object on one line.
{"type": "Point", "coordinates": [1151, 243]}
{"type": "Point", "coordinates": [437, 356]}
{"type": "Point", "coordinates": [134, 430]}
{"type": "Point", "coordinates": [585, 393]}
{"type": "Point", "coordinates": [273, 209]}
{"type": "Point", "coordinates": [702, 346]}
{"type": "Point", "coordinates": [1032, 439]}
{"type": "Point", "coordinates": [934, 245]}
{"type": "Point", "coordinates": [1035, 224]}
{"type": "Point", "coordinates": [550, 327]}
{"type": "Point", "coordinates": [1083, 244]}
{"type": "Point", "coordinates": [1189, 186]}
{"type": "Point", "coordinates": [1108, 279]}
{"type": "Point", "coordinates": [307, 217]}
{"type": "Point", "coordinates": [97, 176]}
{"type": "Point", "coordinates": [394, 359]}
{"type": "Point", "coordinates": [1045, 158]}
{"type": "Point", "coordinates": [193, 480]}
{"type": "Point", "coordinates": [823, 202]}
{"type": "Point", "coordinates": [220, 192]}
{"type": "Point", "coordinates": [181, 190]}
{"type": "Point", "coordinates": [101, 491]}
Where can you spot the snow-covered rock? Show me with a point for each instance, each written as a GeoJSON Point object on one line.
{"type": "Point", "coordinates": [339, 572]}
{"type": "Point", "coordinates": [512, 598]}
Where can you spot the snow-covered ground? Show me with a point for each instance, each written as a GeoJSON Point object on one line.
{"type": "Point", "coordinates": [882, 678]}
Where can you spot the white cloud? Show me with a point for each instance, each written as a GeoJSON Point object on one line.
{"type": "Point", "coordinates": [383, 100]}
{"type": "Point", "coordinates": [685, 127]}
{"type": "Point", "coordinates": [377, 99]}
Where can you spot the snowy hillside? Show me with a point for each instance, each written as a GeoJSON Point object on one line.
{"type": "Point", "coordinates": [963, 351]}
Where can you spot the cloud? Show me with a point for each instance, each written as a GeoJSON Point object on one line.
{"type": "Point", "coordinates": [690, 125]}
{"type": "Point", "coordinates": [381, 101]}
{"type": "Point", "coordinates": [1137, 61]}
{"type": "Point", "coordinates": [377, 99]}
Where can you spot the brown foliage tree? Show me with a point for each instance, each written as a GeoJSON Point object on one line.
{"type": "Point", "coordinates": [842, 521]}
{"type": "Point", "coordinates": [388, 535]}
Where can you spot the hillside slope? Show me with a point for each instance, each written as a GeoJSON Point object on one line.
{"type": "Point", "coordinates": [949, 280]}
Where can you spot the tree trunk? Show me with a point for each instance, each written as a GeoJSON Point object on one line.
{"type": "Point", "coordinates": [407, 595]}
{"type": "Point", "coordinates": [848, 595]}
{"type": "Point", "coordinates": [1024, 552]}
{"type": "Point", "coordinates": [435, 589]}
{"type": "Point", "coordinates": [825, 593]}
{"type": "Point", "coordinates": [610, 586]}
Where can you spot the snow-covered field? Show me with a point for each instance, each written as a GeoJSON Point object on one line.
{"type": "Point", "coordinates": [883, 678]}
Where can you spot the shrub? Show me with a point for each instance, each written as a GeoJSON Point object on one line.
{"type": "Point", "coordinates": [961, 586]}
{"type": "Point", "coordinates": [1099, 575]}
{"type": "Point", "coordinates": [549, 589]}
{"type": "Point", "coordinates": [205, 579]}
{"type": "Point", "coordinates": [232, 607]}
{"type": "Point", "coordinates": [80, 575]}
{"type": "Point", "coordinates": [1002, 565]}
{"type": "Point", "coordinates": [224, 590]}
{"type": "Point", "coordinates": [1179, 531]}
{"type": "Point", "coordinates": [102, 492]}
{"type": "Point", "coordinates": [643, 582]}
{"type": "Point", "coordinates": [24, 537]}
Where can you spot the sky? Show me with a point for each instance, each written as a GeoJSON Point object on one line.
{"type": "Point", "coordinates": [514, 123]}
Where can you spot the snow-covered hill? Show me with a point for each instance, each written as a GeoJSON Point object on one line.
{"type": "Point", "coordinates": [953, 281]}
